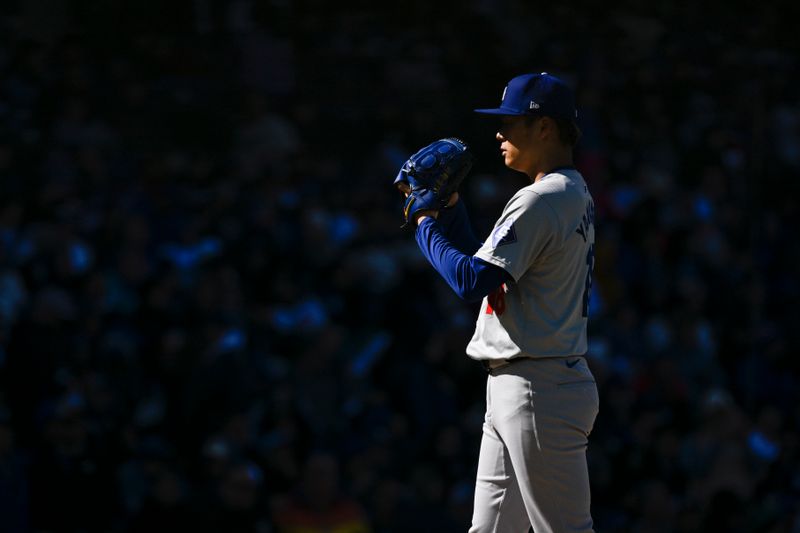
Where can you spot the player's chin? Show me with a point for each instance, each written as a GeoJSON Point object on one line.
{"type": "Point", "coordinates": [510, 162]}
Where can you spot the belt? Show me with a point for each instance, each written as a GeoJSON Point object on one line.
{"type": "Point", "coordinates": [492, 365]}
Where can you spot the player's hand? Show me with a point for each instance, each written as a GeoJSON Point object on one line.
{"type": "Point", "coordinates": [430, 178]}
{"type": "Point", "coordinates": [419, 216]}
{"type": "Point", "coordinates": [404, 188]}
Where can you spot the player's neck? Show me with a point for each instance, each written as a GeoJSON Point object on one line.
{"type": "Point", "coordinates": [551, 161]}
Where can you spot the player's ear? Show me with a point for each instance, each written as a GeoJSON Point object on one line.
{"type": "Point", "coordinates": [547, 128]}
{"type": "Point", "coordinates": [534, 125]}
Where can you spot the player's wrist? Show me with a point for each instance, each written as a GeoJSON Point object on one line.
{"type": "Point", "coordinates": [420, 216]}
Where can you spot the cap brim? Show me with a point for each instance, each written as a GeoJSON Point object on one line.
{"type": "Point", "coordinates": [499, 111]}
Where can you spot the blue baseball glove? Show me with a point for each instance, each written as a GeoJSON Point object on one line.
{"type": "Point", "coordinates": [432, 175]}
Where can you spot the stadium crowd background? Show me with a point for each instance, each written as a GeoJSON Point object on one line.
{"type": "Point", "coordinates": [210, 319]}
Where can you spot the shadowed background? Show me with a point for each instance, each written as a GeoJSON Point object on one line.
{"type": "Point", "coordinates": [210, 319]}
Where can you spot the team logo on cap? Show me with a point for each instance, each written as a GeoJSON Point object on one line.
{"type": "Point", "coordinates": [534, 105]}
{"type": "Point", "coordinates": [502, 98]}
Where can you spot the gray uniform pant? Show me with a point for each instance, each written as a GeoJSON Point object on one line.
{"type": "Point", "coordinates": [532, 467]}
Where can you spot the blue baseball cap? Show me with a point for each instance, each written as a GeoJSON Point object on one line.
{"type": "Point", "coordinates": [536, 94]}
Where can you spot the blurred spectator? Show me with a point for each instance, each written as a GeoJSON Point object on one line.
{"type": "Point", "coordinates": [318, 502]}
{"type": "Point", "coordinates": [14, 490]}
{"type": "Point", "coordinates": [71, 475]}
{"type": "Point", "coordinates": [237, 502]}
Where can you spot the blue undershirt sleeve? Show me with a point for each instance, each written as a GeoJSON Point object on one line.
{"type": "Point", "coordinates": [456, 227]}
{"type": "Point", "coordinates": [471, 278]}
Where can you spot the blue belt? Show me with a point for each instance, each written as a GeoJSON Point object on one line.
{"type": "Point", "coordinates": [494, 365]}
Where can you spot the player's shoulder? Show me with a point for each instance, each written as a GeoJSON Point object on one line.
{"type": "Point", "coordinates": [559, 189]}
{"type": "Point", "coordinates": [560, 185]}
{"type": "Point", "coordinates": [548, 186]}
{"type": "Point", "coordinates": [555, 188]}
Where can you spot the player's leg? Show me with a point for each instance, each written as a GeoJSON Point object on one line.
{"type": "Point", "coordinates": [498, 504]}
{"type": "Point", "coordinates": [546, 442]}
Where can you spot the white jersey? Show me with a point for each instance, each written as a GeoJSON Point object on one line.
{"type": "Point", "coordinates": [545, 240]}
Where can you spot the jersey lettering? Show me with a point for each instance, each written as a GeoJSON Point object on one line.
{"type": "Point", "coordinates": [586, 221]}
{"type": "Point", "coordinates": [587, 288]}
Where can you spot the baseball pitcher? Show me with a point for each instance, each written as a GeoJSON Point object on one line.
{"type": "Point", "coordinates": [534, 274]}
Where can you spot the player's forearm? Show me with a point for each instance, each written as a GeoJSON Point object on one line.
{"type": "Point", "coordinates": [457, 228]}
{"type": "Point", "coordinates": [469, 277]}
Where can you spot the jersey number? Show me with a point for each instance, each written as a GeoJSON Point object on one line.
{"type": "Point", "coordinates": [587, 288]}
{"type": "Point", "coordinates": [496, 301]}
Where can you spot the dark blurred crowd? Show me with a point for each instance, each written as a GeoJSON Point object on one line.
{"type": "Point", "coordinates": [210, 319]}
